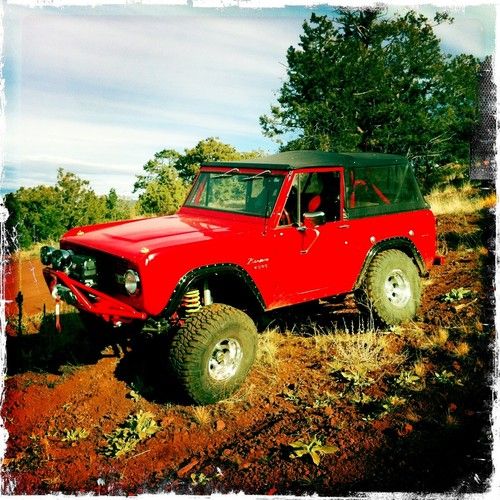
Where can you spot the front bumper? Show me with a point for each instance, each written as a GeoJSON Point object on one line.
{"type": "Point", "coordinates": [90, 300]}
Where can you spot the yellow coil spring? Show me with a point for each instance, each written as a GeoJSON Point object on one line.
{"type": "Point", "coordinates": [191, 302]}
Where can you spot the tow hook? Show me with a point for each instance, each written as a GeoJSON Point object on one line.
{"type": "Point", "coordinates": [57, 298]}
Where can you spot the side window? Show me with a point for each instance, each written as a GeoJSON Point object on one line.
{"type": "Point", "coordinates": [369, 188]}
{"type": "Point", "coordinates": [314, 192]}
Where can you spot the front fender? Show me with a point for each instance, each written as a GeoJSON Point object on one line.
{"type": "Point", "coordinates": [210, 271]}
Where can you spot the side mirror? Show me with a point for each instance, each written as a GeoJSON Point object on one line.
{"type": "Point", "coordinates": [313, 219]}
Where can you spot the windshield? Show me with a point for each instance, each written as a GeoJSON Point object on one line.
{"type": "Point", "coordinates": [233, 191]}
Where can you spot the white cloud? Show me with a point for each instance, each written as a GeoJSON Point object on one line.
{"type": "Point", "coordinates": [471, 32]}
{"type": "Point", "coordinates": [185, 57]}
{"type": "Point", "coordinates": [30, 174]}
{"type": "Point", "coordinates": [113, 90]}
{"type": "Point", "coordinates": [465, 36]}
{"type": "Point", "coordinates": [42, 136]}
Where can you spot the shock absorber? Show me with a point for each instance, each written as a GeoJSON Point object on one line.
{"type": "Point", "coordinates": [191, 302]}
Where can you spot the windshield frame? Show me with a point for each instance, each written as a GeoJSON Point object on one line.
{"type": "Point", "coordinates": [248, 177]}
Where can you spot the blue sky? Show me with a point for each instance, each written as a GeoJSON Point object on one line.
{"type": "Point", "coordinates": [99, 90]}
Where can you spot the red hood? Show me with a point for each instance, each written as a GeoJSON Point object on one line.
{"type": "Point", "coordinates": [127, 238]}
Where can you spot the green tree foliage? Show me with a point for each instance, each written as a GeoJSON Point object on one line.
{"type": "Point", "coordinates": [166, 178]}
{"type": "Point", "coordinates": [365, 82]}
{"type": "Point", "coordinates": [77, 203]}
{"type": "Point", "coordinates": [116, 208]}
{"type": "Point", "coordinates": [163, 196]}
{"type": "Point", "coordinates": [44, 213]}
{"type": "Point", "coordinates": [34, 215]}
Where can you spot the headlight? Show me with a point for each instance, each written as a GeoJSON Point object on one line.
{"type": "Point", "coordinates": [61, 259]}
{"type": "Point", "coordinates": [46, 255]}
{"type": "Point", "coordinates": [131, 281]}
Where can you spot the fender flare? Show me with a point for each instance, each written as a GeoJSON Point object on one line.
{"type": "Point", "coordinates": [205, 272]}
{"type": "Point", "coordinates": [404, 244]}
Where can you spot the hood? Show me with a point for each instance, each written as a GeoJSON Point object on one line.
{"type": "Point", "coordinates": [127, 238]}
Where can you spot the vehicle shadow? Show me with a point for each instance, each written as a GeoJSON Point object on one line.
{"type": "Point", "coordinates": [319, 317]}
{"type": "Point", "coordinates": [48, 350]}
{"type": "Point", "coordinates": [143, 360]}
{"type": "Point", "coordinates": [145, 369]}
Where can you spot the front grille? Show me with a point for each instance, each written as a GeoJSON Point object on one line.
{"type": "Point", "coordinates": [107, 267]}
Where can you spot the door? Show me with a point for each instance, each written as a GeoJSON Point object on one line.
{"type": "Point", "coordinates": [311, 244]}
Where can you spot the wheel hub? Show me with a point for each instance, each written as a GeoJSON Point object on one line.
{"type": "Point", "coordinates": [397, 288]}
{"type": "Point", "coordinates": [225, 359]}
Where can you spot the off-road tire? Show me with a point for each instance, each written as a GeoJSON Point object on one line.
{"type": "Point", "coordinates": [208, 341]}
{"type": "Point", "coordinates": [392, 288]}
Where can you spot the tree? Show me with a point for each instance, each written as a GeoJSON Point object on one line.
{"type": "Point", "coordinates": [44, 213]}
{"type": "Point", "coordinates": [164, 195]}
{"type": "Point", "coordinates": [210, 149]}
{"type": "Point", "coordinates": [167, 176]}
{"type": "Point", "coordinates": [77, 202]}
{"type": "Point", "coordinates": [116, 207]}
{"type": "Point", "coordinates": [365, 82]}
{"type": "Point", "coordinates": [34, 215]}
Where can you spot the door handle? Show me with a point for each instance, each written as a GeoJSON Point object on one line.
{"type": "Point", "coordinates": [316, 236]}
{"type": "Point", "coordinates": [345, 226]}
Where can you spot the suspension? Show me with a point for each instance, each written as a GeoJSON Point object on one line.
{"type": "Point", "coordinates": [191, 303]}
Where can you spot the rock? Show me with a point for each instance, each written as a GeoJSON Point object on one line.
{"type": "Point", "coordinates": [184, 470]}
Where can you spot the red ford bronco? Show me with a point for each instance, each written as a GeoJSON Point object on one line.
{"type": "Point", "coordinates": [253, 235]}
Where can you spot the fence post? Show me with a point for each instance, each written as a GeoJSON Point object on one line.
{"type": "Point", "coordinates": [19, 302]}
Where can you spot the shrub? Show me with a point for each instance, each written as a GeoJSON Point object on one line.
{"type": "Point", "coordinates": [315, 449]}
{"type": "Point", "coordinates": [359, 356]}
{"type": "Point", "coordinates": [137, 428]}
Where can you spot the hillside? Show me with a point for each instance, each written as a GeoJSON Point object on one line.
{"type": "Point", "coordinates": [405, 409]}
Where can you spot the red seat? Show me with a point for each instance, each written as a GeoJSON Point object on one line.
{"type": "Point", "coordinates": [314, 203]}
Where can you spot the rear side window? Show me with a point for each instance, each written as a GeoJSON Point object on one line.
{"type": "Point", "coordinates": [380, 190]}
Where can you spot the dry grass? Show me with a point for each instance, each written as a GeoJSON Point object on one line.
{"type": "Point", "coordinates": [267, 351]}
{"type": "Point", "coordinates": [463, 200]}
{"type": "Point", "coordinates": [461, 349]}
{"type": "Point", "coordinates": [265, 371]}
{"type": "Point", "coordinates": [420, 369]}
{"type": "Point", "coordinates": [34, 251]}
{"type": "Point", "coordinates": [422, 340]}
{"type": "Point", "coordinates": [202, 415]}
{"type": "Point", "coordinates": [363, 354]}
{"type": "Point", "coordinates": [437, 340]}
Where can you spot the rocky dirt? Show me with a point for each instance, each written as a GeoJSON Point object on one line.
{"type": "Point", "coordinates": [67, 393]}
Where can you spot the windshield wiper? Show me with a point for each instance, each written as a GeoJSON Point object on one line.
{"type": "Point", "coordinates": [257, 176]}
{"type": "Point", "coordinates": [225, 174]}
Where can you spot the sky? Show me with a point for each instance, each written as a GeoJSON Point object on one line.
{"type": "Point", "coordinates": [99, 90]}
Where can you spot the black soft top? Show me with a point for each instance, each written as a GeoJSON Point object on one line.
{"type": "Point", "coordinates": [375, 183]}
{"type": "Point", "coordinates": [291, 160]}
